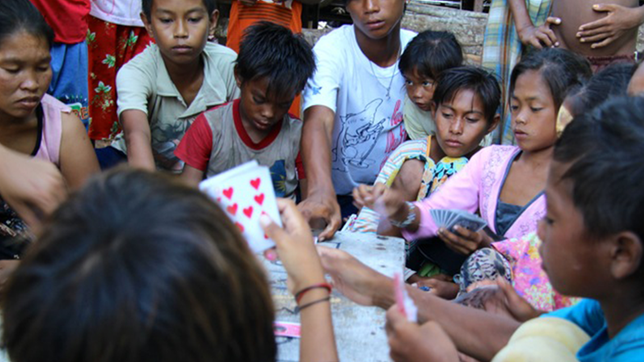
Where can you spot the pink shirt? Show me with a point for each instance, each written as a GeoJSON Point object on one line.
{"type": "Point", "coordinates": [51, 129]}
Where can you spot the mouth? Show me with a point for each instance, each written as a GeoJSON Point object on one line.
{"type": "Point", "coordinates": [262, 124]}
{"type": "Point", "coordinates": [453, 143]}
{"type": "Point", "coordinates": [519, 134]}
{"type": "Point", "coordinates": [422, 106]}
{"type": "Point", "coordinates": [29, 102]}
{"type": "Point", "coordinates": [375, 24]}
{"type": "Point", "coordinates": [182, 49]}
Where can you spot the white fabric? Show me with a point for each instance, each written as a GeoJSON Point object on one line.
{"type": "Point", "coordinates": [368, 125]}
{"type": "Point", "coordinates": [120, 12]}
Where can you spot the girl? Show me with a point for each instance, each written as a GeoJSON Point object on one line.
{"type": "Point", "coordinates": [137, 267]}
{"type": "Point", "coordinates": [32, 122]}
{"type": "Point", "coordinates": [464, 104]}
{"type": "Point", "coordinates": [504, 183]}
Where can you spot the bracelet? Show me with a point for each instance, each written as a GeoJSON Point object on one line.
{"type": "Point", "coordinates": [411, 216]}
{"type": "Point", "coordinates": [299, 309]}
{"type": "Point", "coordinates": [299, 295]}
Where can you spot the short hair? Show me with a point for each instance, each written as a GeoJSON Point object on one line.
{"type": "Point", "coordinates": [21, 15]}
{"type": "Point", "coordinates": [136, 267]}
{"type": "Point", "coordinates": [430, 53]}
{"type": "Point", "coordinates": [483, 83]}
{"type": "Point", "coordinates": [146, 7]}
{"type": "Point", "coordinates": [561, 70]}
{"type": "Point", "coordinates": [611, 81]}
{"type": "Point", "coordinates": [273, 51]}
{"type": "Point", "coordinates": [604, 147]}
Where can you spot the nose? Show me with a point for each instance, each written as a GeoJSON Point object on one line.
{"type": "Point", "coordinates": [30, 82]}
{"type": "Point", "coordinates": [456, 126]}
{"type": "Point", "coordinates": [416, 92]}
{"type": "Point", "coordinates": [180, 29]}
{"type": "Point", "coordinates": [371, 6]}
{"type": "Point", "coordinates": [267, 112]}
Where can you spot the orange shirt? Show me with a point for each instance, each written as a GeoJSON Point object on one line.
{"type": "Point", "coordinates": [287, 14]}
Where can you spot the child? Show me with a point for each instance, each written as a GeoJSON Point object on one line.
{"type": "Point", "coordinates": [593, 246]}
{"type": "Point", "coordinates": [464, 104]}
{"type": "Point", "coordinates": [352, 108]}
{"type": "Point", "coordinates": [32, 122]}
{"type": "Point", "coordinates": [136, 267]}
{"type": "Point", "coordinates": [424, 58]}
{"type": "Point", "coordinates": [504, 183]}
{"type": "Point", "coordinates": [272, 68]}
{"type": "Point", "coordinates": [162, 90]}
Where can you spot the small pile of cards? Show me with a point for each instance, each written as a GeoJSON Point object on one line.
{"type": "Point", "coordinates": [245, 193]}
{"type": "Point", "coordinates": [449, 218]}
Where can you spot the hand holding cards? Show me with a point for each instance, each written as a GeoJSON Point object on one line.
{"type": "Point", "coordinates": [449, 218]}
{"type": "Point", "coordinates": [245, 193]}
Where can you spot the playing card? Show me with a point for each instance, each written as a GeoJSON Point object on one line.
{"type": "Point", "coordinates": [404, 303]}
{"type": "Point", "coordinates": [449, 218]}
{"type": "Point", "coordinates": [245, 193]}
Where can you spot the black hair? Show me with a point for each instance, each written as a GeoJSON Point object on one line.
{"type": "Point", "coordinates": [273, 51]}
{"type": "Point", "coordinates": [146, 7]}
{"type": "Point", "coordinates": [430, 53]}
{"type": "Point", "coordinates": [136, 267]}
{"type": "Point", "coordinates": [22, 15]}
{"type": "Point", "coordinates": [604, 147]}
{"type": "Point", "coordinates": [561, 70]}
{"type": "Point", "coordinates": [611, 81]}
{"type": "Point", "coordinates": [483, 83]}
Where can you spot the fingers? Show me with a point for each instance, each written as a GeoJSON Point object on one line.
{"type": "Point", "coordinates": [332, 226]}
{"type": "Point", "coordinates": [273, 230]}
{"type": "Point", "coordinates": [465, 243]}
{"type": "Point", "coordinates": [604, 42]}
{"type": "Point", "coordinates": [552, 20]}
{"type": "Point", "coordinates": [360, 194]}
{"type": "Point", "coordinates": [394, 319]}
{"type": "Point", "coordinates": [604, 7]}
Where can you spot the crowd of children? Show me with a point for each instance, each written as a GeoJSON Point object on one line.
{"type": "Point", "coordinates": [135, 263]}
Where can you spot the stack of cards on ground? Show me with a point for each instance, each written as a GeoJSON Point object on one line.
{"type": "Point", "coordinates": [449, 218]}
{"type": "Point", "coordinates": [245, 193]}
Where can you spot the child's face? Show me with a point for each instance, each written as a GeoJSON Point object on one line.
{"type": "Point", "coordinates": [180, 28]}
{"type": "Point", "coordinates": [25, 74]}
{"type": "Point", "coordinates": [533, 112]}
{"type": "Point", "coordinates": [461, 124]}
{"type": "Point", "coordinates": [568, 258]}
{"type": "Point", "coordinates": [375, 18]}
{"type": "Point", "coordinates": [420, 89]}
{"type": "Point", "coordinates": [261, 110]}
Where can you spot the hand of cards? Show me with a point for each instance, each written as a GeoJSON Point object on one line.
{"type": "Point", "coordinates": [245, 193]}
{"type": "Point", "coordinates": [449, 218]}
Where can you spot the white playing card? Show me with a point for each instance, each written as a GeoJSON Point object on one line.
{"type": "Point", "coordinates": [245, 193]}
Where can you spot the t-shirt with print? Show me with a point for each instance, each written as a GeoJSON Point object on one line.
{"type": "Point", "coordinates": [144, 84]}
{"type": "Point", "coordinates": [218, 141]}
{"type": "Point", "coordinates": [627, 345]}
{"type": "Point", "coordinates": [368, 105]}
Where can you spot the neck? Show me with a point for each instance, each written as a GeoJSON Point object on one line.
{"type": "Point", "coordinates": [184, 73]}
{"type": "Point", "coordinates": [435, 151]}
{"type": "Point", "coordinates": [538, 159]}
{"type": "Point", "coordinates": [622, 307]}
{"type": "Point", "coordinates": [384, 52]}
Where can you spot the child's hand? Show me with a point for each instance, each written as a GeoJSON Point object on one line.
{"type": "Point", "coordinates": [318, 208]}
{"type": "Point", "coordinates": [380, 198]}
{"type": "Point", "coordinates": [295, 247]}
{"type": "Point", "coordinates": [464, 241]}
{"type": "Point", "coordinates": [518, 307]}
{"type": "Point", "coordinates": [440, 287]}
{"type": "Point", "coordinates": [410, 342]}
{"type": "Point", "coordinates": [540, 36]}
{"type": "Point", "coordinates": [618, 20]}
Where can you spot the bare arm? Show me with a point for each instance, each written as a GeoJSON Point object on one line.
{"type": "Point", "coordinates": [321, 203]}
{"type": "Point", "coordinates": [138, 140]}
{"type": "Point", "coordinates": [191, 176]}
{"type": "Point", "coordinates": [77, 157]}
{"type": "Point", "coordinates": [618, 20]}
{"type": "Point", "coordinates": [407, 184]}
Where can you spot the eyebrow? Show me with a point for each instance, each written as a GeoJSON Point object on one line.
{"type": "Point", "coordinates": [14, 60]}
{"type": "Point", "coordinates": [466, 112]}
{"type": "Point", "coordinates": [193, 10]}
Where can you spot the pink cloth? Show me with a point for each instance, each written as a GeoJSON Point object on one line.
{"type": "Point", "coordinates": [477, 187]}
{"type": "Point", "coordinates": [51, 129]}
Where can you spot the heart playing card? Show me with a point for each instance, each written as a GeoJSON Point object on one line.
{"type": "Point", "coordinates": [245, 193]}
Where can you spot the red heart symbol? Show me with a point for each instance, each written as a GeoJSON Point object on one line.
{"type": "Point", "coordinates": [228, 193]}
{"type": "Point", "coordinates": [232, 209]}
{"type": "Point", "coordinates": [248, 211]}
{"type": "Point", "coordinates": [255, 183]}
{"type": "Point", "coordinates": [265, 236]}
{"type": "Point", "coordinates": [259, 198]}
{"type": "Point", "coordinates": [219, 199]}
{"type": "Point", "coordinates": [240, 227]}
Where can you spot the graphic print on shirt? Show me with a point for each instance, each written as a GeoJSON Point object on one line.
{"type": "Point", "coordinates": [165, 139]}
{"type": "Point", "coordinates": [357, 137]}
{"type": "Point", "coordinates": [278, 176]}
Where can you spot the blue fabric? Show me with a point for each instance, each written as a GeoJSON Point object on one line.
{"type": "Point", "coordinates": [69, 80]}
{"type": "Point", "coordinates": [627, 345]}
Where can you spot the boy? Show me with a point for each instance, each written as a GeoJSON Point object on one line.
{"type": "Point", "coordinates": [353, 108]}
{"type": "Point", "coordinates": [272, 68]}
{"type": "Point", "coordinates": [592, 246]}
{"type": "Point", "coordinates": [163, 89]}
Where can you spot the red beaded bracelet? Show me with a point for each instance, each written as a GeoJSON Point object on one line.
{"type": "Point", "coordinates": [299, 295]}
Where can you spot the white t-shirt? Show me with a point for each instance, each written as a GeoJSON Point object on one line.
{"type": "Point", "coordinates": [368, 123]}
{"type": "Point", "coordinates": [120, 12]}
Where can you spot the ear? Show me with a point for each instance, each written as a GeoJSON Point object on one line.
{"type": "Point", "coordinates": [214, 19]}
{"type": "Point", "coordinates": [147, 24]}
{"type": "Point", "coordinates": [238, 77]}
{"type": "Point", "coordinates": [494, 123]}
{"type": "Point", "coordinates": [626, 255]}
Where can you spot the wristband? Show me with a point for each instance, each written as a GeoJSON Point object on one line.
{"type": "Point", "coordinates": [411, 216]}
{"type": "Point", "coordinates": [298, 308]}
{"type": "Point", "coordinates": [299, 295]}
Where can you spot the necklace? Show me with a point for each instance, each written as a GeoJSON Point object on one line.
{"type": "Point", "coordinates": [391, 79]}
